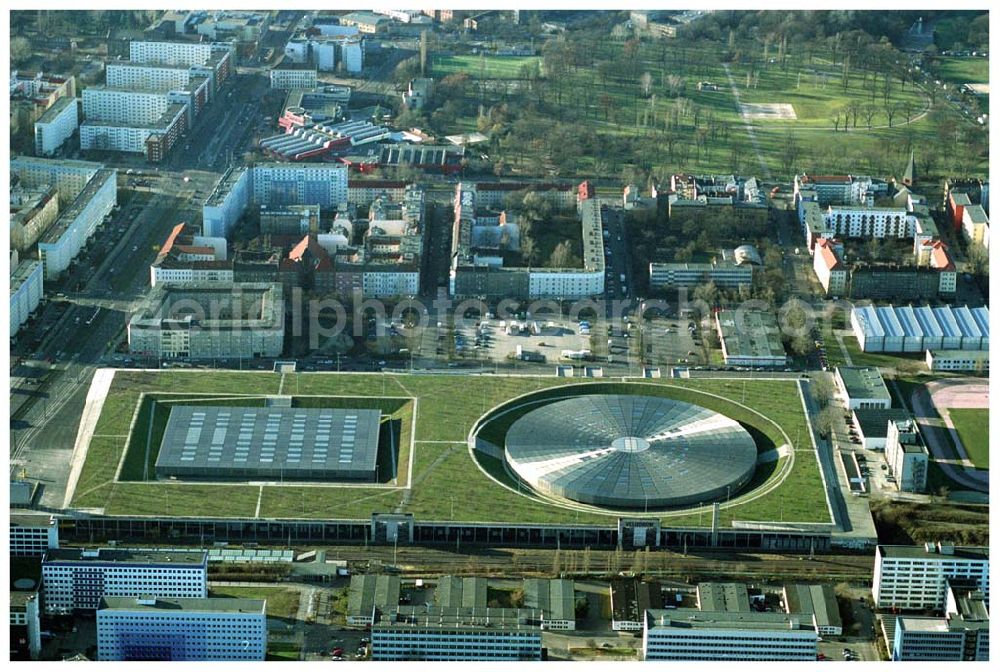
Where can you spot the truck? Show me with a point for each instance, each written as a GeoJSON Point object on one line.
{"type": "Point", "coordinates": [576, 354]}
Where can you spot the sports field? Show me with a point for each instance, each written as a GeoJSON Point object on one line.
{"type": "Point", "coordinates": [439, 480]}
{"type": "Point", "coordinates": [973, 427]}
{"type": "Point", "coordinates": [482, 67]}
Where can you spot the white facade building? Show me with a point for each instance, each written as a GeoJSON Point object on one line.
{"type": "Point", "coordinates": [916, 577]}
{"type": "Point", "coordinates": [272, 184]}
{"type": "Point", "coordinates": [862, 387]}
{"type": "Point", "coordinates": [26, 290]}
{"type": "Point", "coordinates": [387, 282]}
{"type": "Point", "coordinates": [456, 633]}
{"type": "Point", "coordinates": [171, 53]}
{"type": "Point", "coordinates": [692, 634]}
{"type": "Point", "coordinates": [56, 126]}
{"type": "Point", "coordinates": [89, 192]}
{"type": "Point", "coordinates": [77, 579]}
{"type": "Point", "coordinates": [906, 456]}
{"type": "Point", "coordinates": [124, 106]}
{"type": "Point", "coordinates": [31, 535]}
{"type": "Point", "coordinates": [564, 284]}
{"type": "Point", "coordinates": [181, 629]}
{"type": "Point", "coordinates": [24, 613]}
{"type": "Point", "coordinates": [150, 76]}
{"type": "Point", "coordinates": [288, 78]}
{"type": "Point", "coordinates": [973, 361]}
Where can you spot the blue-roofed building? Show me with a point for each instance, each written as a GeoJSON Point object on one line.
{"type": "Point", "coordinates": [921, 328]}
{"type": "Point", "coordinates": [913, 335]}
{"type": "Point", "coordinates": [972, 337]}
{"type": "Point", "coordinates": [893, 341]}
{"type": "Point", "coordinates": [929, 324]}
{"type": "Point", "coordinates": [867, 329]}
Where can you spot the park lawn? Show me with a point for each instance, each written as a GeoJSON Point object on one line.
{"type": "Point", "coordinates": [281, 602]}
{"type": "Point", "coordinates": [973, 427]}
{"type": "Point", "coordinates": [481, 67]}
{"type": "Point", "coordinates": [965, 70]}
{"type": "Point", "coordinates": [891, 360]}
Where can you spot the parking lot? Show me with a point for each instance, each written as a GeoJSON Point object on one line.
{"type": "Point", "coordinates": [672, 341]}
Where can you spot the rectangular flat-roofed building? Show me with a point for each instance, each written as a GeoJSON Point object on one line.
{"type": "Point", "coordinates": [750, 338]}
{"type": "Point", "coordinates": [690, 634]}
{"type": "Point", "coordinates": [972, 361]}
{"type": "Point", "coordinates": [74, 578]}
{"type": "Point", "coordinates": [422, 632]}
{"type": "Point", "coordinates": [55, 126]}
{"type": "Point", "coordinates": [457, 591]}
{"type": "Point", "coordinates": [723, 597]}
{"type": "Point", "coordinates": [873, 425]}
{"type": "Point", "coordinates": [555, 599]}
{"type": "Point", "coordinates": [630, 598]}
{"type": "Point", "coordinates": [906, 455]}
{"type": "Point", "coordinates": [181, 629]}
{"type": "Point", "coordinates": [906, 329]}
{"type": "Point", "coordinates": [916, 577]}
{"type": "Point", "coordinates": [227, 443]}
{"type": "Point", "coordinates": [818, 600]}
{"type": "Point", "coordinates": [31, 535]}
{"type": "Point", "coordinates": [369, 594]}
{"type": "Point", "coordinates": [862, 387]}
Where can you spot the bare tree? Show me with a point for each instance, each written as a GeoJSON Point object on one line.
{"type": "Point", "coordinates": [869, 114]}
{"type": "Point", "coordinates": [646, 81]}
{"type": "Point", "coordinates": [836, 121]}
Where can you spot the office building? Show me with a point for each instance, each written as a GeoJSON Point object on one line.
{"type": "Point", "coordinates": [210, 321]}
{"type": "Point", "coordinates": [818, 600]}
{"type": "Point", "coordinates": [26, 280]}
{"type": "Point", "coordinates": [86, 194]}
{"type": "Point", "coordinates": [862, 387]}
{"type": "Point", "coordinates": [906, 456]}
{"type": "Point", "coordinates": [691, 634]}
{"type": "Point", "coordinates": [424, 632]}
{"type": "Point", "coordinates": [293, 78]}
{"type": "Point", "coordinates": [289, 219]}
{"type": "Point", "coordinates": [916, 329]}
{"type": "Point", "coordinates": [963, 633]}
{"type": "Point", "coordinates": [725, 272]}
{"type": "Point", "coordinates": [968, 361]}
{"type": "Point", "coordinates": [56, 125]}
{"type": "Point", "coordinates": [873, 425]}
{"type": "Point", "coordinates": [25, 625]}
{"type": "Point", "coordinates": [180, 629]}
{"type": "Point", "coordinates": [31, 535]}
{"type": "Point", "coordinates": [750, 338]}
{"type": "Point", "coordinates": [370, 594]}
{"type": "Point", "coordinates": [78, 578]}
{"type": "Point", "coordinates": [630, 600]}
{"type": "Point", "coordinates": [555, 599]}
{"type": "Point", "coordinates": [916, 577]}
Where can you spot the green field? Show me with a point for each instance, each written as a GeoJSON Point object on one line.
{"type": "Point", "coordinates": [965, 70]}
{"type": "Point", "coordinates": [482, 67]}
{"type": "Point", "coordinates": [281, 602]}
{"type": "Point", "coordinates": [973, 427]}
{"type": "Point", "coordinates": [447, 482]}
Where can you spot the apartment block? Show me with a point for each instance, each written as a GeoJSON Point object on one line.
{"type": "Point", "coordinates": [293, 78]}
{"type": "Point", "coordinates": [56, 125]}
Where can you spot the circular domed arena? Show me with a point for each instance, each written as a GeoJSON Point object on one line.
{"type": "Point", "coordinates": [630, 452]}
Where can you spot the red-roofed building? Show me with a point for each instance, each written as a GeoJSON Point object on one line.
{"type": "Point", "coordinates": [942, 261]}
{"type": "Point", "coordinates": [957, 202]}
{"type": "Point", "coordinates": [307, 266]}
{"type": "Point", "coordinates": [186, 258]}
{"type": "Point", "coordinates": [829, 268]}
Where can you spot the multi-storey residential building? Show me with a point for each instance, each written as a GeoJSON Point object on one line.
{"type": "Point", "coordinates": [154, 139]}
{"type": "Point", "coordinates": [90, 192]}
{"type": "Point", "coordinates": [906, 455]}
{"type": "Point", "coordinates": [366, 22]}
{"type": "Point", "coordinates": [210, 321]}
{"type": "Point", "coordinates": [830, 270]}
{"type": "Point", "coordinates": [916, 577]}
{"type": "Point", "coordinates": [26, 280]}
{"type": "Point", "coordinates": [976, 226]}
{"type": "Point", "coordinates": [185, 258]}
{"type": "Point", "coordinates": [493, 194]}
{"type": "Point", "coordinates": [725, 271]}
{"type": "Point", "coordinates": [363, 192]}
{"type": "Point", "coordinates": [33, 93]}
{"type": "Point", "coordinates": [56, 125]}
{"type": "Point", "coordinates": [971, 361]}
{"type": "Point", "coordinates": [862, 387]}
{"type": "Point", "coordinates": [477, 269]}
{"type": "Point", "coordinates": [271, 184]}
{"type": "Point", "coordinates": [124, 106]}
{"type": "Point", "coordinates": [32, 210]}
{"type": "Point", "coordinates": [31, 535]}
{"type": "Point", "coordinates": [220, 55]}
{"type": "Point", "coordinates": [78, 578]}
{"type": "Point", "coordinates": [691, 634]}
{"type": "Point", "coordinates": [293, 78]}
{"type": "Point", "coordinates": [25, 625]}
{"type": "Point", "coordinates": [325, 51]}
{"type": "Point", "coordinates": [197, 80]}
{"type": "Point", "coordinates": [181, 629]}
{"type": "Point", "coordinates": [740, 198]}
{"type": "Point", "coordinates": [423, 632]}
